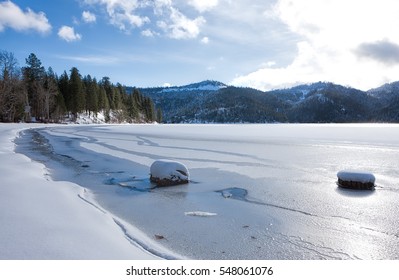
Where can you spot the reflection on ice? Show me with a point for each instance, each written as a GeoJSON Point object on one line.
{"type": "Point", "coordinates": [353, 192]}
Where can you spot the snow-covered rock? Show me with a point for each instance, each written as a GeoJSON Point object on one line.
{"type": "Point", "coordinates": [169, 173]}
{"type": "Point", "coordinates": [356, 179]}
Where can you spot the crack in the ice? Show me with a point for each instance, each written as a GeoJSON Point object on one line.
{"type": "Point", "coordinates": [323, 252]}
{"type": "Point", "coordinates": [241, 194]}
{"type": "Point", "coordinates": [142, 245]}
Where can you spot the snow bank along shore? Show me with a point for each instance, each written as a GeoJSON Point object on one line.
{"type": "Point", "coordinates": [44, 219]}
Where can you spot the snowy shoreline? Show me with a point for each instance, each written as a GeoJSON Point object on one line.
{"type": "Point", "coordinates": [45, 219]}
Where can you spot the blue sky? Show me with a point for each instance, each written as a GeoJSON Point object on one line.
{"type": "Point", "coordinates": [259, 43]}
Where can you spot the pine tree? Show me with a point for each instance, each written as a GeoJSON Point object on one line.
{"type": "Point", "coordinates": [34, 75]}
{"type": "Point", "coordinates": [149, 109]}
{"type": "Point", "coordinates": [159, 115]}
{"type": "Point", "coordinates": [51, 90]}
{"type": "Point", "coordinates": [63, 86]}
{"type": "Point", "coordinates": [102, 99]}
{"type": "Point", "coordinates": [103, 102]}
{"type": "Point", "coordinates": [91, 94]}
{"type": "Point", "coordinates": [106, 83]}
{"type": "Point", "coordinates": [60, 108]}
{"type": "Point", "coordinates": [138, 99]}
{"type": "Point", "coordinates": [76, 92]}
{"type": "Point", "coordinates": [132, 108]}
{"type": "Point", "coordinates": [118, 93]}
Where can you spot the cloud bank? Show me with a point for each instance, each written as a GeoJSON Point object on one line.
{"type": "Point", "coordinates": [13, 17]}
{"type": "Point", "coordinates": [203, 5]}
{"type": "Point", "coordinates": [165, 19]}
{"type": "Point", "coordinates": [334, 44]}
{"type": "Point", "coordinates": [384, 51]}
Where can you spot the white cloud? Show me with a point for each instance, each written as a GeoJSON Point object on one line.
{"type": "Point", "coordinates": [129, 14]}
{"type": "Point", "coordinates": [178, 26]}
{"type": "Point", "coordinates": [12, 16]}
{"type": "Point", "coordinates": [68, 34]}
{"type": "Point", "coordinates": [148, 33]}
{"type": "Point", "coordinates": [122, 13]}
{"type": "Point", "coordinates": [204, 5]}
{"type": "Point", "coordinates": [88, 17]}
{"type": "Point", "coordinates": [205, 40]}
{"type": "Point", "coordinates": [341, 41]}
{"type": "Point", "coordinates": [161, 5]}
{"type": "Point", "coordinates": [95, 60]}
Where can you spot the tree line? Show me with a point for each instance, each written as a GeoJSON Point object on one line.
{"type": "Point", "coordinates": [32, 93]}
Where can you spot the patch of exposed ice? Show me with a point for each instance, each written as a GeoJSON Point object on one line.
{"type": "Point", "coordinates": [235, 193]}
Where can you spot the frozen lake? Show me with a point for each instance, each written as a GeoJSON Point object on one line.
{"type": "Point", "coordinates": [272, 187]}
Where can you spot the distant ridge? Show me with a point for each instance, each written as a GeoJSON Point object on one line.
{"type": "Point", "coordinates": [201, 86]}
{"type": "Point", "coordinates": [322, 102]}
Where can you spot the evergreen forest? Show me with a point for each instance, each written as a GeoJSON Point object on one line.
{"type": "Point", "coordinates": [34, 94]}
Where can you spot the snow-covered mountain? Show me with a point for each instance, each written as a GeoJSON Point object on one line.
{"type": "Point", "coordinates": [386, 88]}
{"type": "Point", "coordinates": [299, 93]}
{"type": "Point", "coordinates": [388, 101]}
{"type": "Point", "coordinates": [202, 86]}
{"type": "Point", "coordinates": [212, 101]}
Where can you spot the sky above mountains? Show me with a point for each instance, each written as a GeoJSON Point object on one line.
{"type": "Point", "coordinates": [265, 44]}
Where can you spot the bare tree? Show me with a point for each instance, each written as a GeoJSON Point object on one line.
{"type": "Point", "coordinates": [12, 93]}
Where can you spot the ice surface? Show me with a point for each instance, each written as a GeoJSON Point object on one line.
{"type": "Point", "coordinates": [273, 187]}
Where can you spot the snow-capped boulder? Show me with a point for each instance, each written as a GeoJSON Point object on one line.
{"type": "Point", "coordinates": [356, 180]}
{"type": "Point", "coordinates": [169, 173]}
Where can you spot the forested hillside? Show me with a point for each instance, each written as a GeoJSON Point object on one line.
{"type": "Point", "coordinates": [32, 93]}
{"type": "Point", "coordinates": [321, 102]}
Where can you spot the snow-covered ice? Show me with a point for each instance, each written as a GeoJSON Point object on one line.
{"type": "Point", "coordinates": [273, 187]}
{"type": "Point", "coordinates": [44, 219]}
